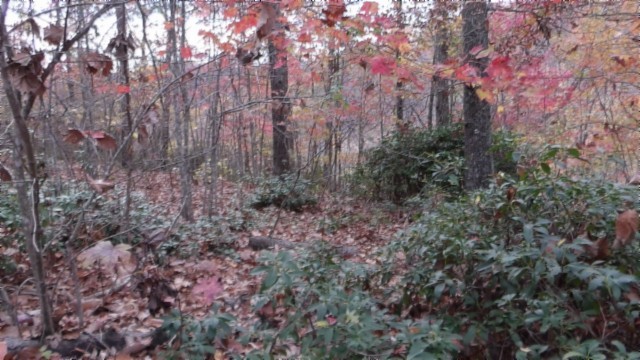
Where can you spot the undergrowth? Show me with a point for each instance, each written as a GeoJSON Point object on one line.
{"type": "Point", "coordinates": [505, 272]}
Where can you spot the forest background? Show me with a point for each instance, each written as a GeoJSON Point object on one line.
{"type": "Point", "coordinates": [424, 159]}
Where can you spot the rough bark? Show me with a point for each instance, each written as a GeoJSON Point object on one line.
{"type": "Point", "coordinates": [441, 85]}
{"type": "Point", "coordinates": [280, 102]}
{"type": "Point", "coordinates": [477, 113]}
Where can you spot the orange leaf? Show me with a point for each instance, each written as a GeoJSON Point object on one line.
{"type": "Point", "coordinates": [168, 25]}
{"type": "Point", "coordinates": [123, 89]}
{"type": "Point", "coordinates": [245, 23]}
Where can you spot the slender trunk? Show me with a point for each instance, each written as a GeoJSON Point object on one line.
{"type": "Point", "coordinates": [122, 55]}
{"type": "Point", "coordinates": [401, 123]}
{"type": "Point", "coordinates": [182, 114]}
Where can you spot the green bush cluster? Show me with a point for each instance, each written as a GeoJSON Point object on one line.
{"type": "Point", "coordinates": [505, 272]}
{"type": "Point", "coordinates": [290, 192]}
{"type": "Point", "coordinates": [405, 164]}
{"type": "Point", "coordinates": [515, 276]}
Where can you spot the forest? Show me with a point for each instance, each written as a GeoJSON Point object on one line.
{"type": "Point", "coordinates": [340, 179]}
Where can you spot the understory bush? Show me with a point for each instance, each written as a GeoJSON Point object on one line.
{"type": "Point", "coordinates": [290, 192]}
{"type": "Point", "coordinates": [406, 164]}
{"type": "Point", "coordinates": [514, 270]}
{"type": "Point", "coordinates": [511, 271]}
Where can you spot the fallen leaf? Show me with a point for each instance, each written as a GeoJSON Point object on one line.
{"type": "Point", "coordinates": [208, 290]}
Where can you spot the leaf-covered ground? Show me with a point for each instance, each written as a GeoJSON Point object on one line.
{"type": "Point", "coordinates": [129, 288]}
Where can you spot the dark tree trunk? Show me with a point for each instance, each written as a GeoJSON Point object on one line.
{"type": "Point", "coordinates": [402, 123]}
{"type": "Point", "coordinates": [280, 104]}
{"type": "Point", "coordinates": [440, 85]}
{"type": "Point", "coordinates": [477, 113]}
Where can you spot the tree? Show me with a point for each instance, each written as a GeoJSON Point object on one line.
{"type": "Point", "coordinates": [440, 54]}
{"type": "Point", "coordinates": [28, 174]}
{"type": "Point", "coordinates": [280, 103]}
{"type": "Point", "coordinates": [477, 112]}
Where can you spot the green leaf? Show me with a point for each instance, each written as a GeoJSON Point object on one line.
{"type": "Point", "coordinates": [573, 152]}
{"type": "Point", "coordinates": [470, 335]}
{"type": "Point", "coordinates": [573, 354]}
{"type": "Point", "coordinates": [546, 168]}
{"type": "Point", "coordinates": [270, 279]}
{"type": "Point", "coordinates": [527, 232]}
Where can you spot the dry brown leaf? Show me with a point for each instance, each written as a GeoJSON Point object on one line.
{"type": "Point", "coordinates": [101, 186]}
{"type": "Point", "coordinates": [95, 62]}
{"type": "Point", "coordinates": [53, 34]}
{"type": "Point", "coordinates": [25, 78]}
{"type": "Point", "coordinates": [626, 228]}
{"type": "Point", "coordinates": [111, 258]}
{"type": "Point", "coordinates": [266, 20]}
{"type": "Point", "coordinates": [106, 142]}
{"type": "Point", "coordinates": [5, 175]}
{"type": "Point", "coordinates": [73, 136]}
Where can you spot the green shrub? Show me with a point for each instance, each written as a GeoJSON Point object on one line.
{"type": "Point", "coordinates": [514, 275]}
{"type": "Point", "coordinates": [192, 338]}
{"type": "Point", "coordinates": [289, 192]}
{"type": "Point", "coordinates": [331, 313]}
{"type": "Point", "coordinates": [404, 164]}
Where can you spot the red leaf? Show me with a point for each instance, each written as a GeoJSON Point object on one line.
{"type": "Point", "coordinates": [185, 52]}
{"type": "Point", "coordinates": [381, 65]}
{"type": "Point", "coordinates": [123, 89]}
{"type": "Point", "coordinates": [499, 68]}
{"type": "Point", "coordinates": [333, 13]}
{"type": "Point", "coordinates": [369, 8]}
{"type": "Point", "coordinates": [304, 37]}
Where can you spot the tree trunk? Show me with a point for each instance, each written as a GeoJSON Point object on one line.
{"type": "Point", "coordinates": [181, 111]}
{"type": "Point", "coordinates": [477, 113]}
{"type": "Point", "coordinates": [399, 108]}
{"type": "Point", "coordinates": [440, 85]}
{"type": "Point", "coordinates": [122, 55]}
{"type": "Point", "coordinates": [280, 103]}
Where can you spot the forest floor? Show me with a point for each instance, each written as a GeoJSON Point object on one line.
{"type": "Point", "coordinates": [130, 290]}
